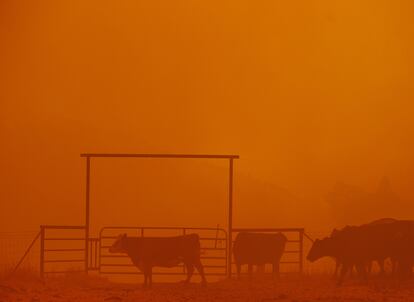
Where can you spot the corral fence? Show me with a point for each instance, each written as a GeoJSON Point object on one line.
{"type": "Point", "coordinates": [65, 249]}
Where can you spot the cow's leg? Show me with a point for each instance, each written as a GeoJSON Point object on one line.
{"type": "Point", "coordinates": [344, 270]}
{"type": "Point", "coordinates": [145, 280]}
{"type": "Point", "coordinates": [276, 270]}
{"type": "Point", "coordinates": [142, 268]}
{"type": "Point", "coordinates": [362, 270]}
{"type": "Point", "coordinates": [250, 271]}
{"type": "Point", "coordinates": [238, 266]}
{"type": "Point", "coordinates": [147, 270]}
{"type": "Point", "coordinates": [337, 269]}
{"type": "Point", "coordinates": [150, 278]}
{"type": "Point", "coordinates": [190, 271]}
{"type": "Point", "coordinates": [369, 266]}
{"type": "Point", "coordinates": [381, 264]}
{"type": "Point", "coordinates": [200, 270]}
{"type": "Point", "coordinates": [394, 266]}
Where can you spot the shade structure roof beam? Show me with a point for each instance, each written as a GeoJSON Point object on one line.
{"type": "Point", "coordinates": [161, 155]}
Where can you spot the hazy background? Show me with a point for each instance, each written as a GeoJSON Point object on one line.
{"type": "Point", "coordinates": [315, 96]}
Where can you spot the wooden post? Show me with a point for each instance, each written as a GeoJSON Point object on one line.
{"type": "Point", "coordinates": [230, 223]}
{"type": "Point", "coordinates": [88, 166]}
{"type": "Point", "coordinates": [301, 250]}
{"type": "Point", "coordinates": [42, 251]}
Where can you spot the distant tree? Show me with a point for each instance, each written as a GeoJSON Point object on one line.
{"type": "Point", "coordinates": [353, 205]}
{"type": "Point", "coordinates": [349, 204]}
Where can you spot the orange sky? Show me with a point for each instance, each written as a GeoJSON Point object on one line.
{"type": "Point", "coordinates": [309, 93]}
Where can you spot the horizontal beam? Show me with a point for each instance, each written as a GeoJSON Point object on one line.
{"type": "Point", "coordinates": [268, 230]}
{"type": "Point", "coordinates": [133, 265]}
{"type": "Point", "coordinates": [156, 273]}
{"type": "Point", "coordinates": [64, 227]}
{"type": "Point", "coordinates": [64, 272]}
{"type": "Point", "coordinates": [166, 155]}
{"type": "Point", "coordinates": [64, 260]}
{"type": "Point", "coordinates": [64, 250]}
{"type": "Point", "coordinates": [63, 239]}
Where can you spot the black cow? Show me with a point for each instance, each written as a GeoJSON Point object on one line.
{"type": "Point", "coordinates": [381, 260]}
{"type": "Point", "coordinates": [147, 252]}
{"type": "Point", "coordinates": [258, 249]}
{"type": "Point", "coordinates": [360, 245]}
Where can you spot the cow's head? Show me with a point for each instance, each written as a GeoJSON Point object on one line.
{"type": "Point", "coordinates": [335, 232]}
{"type": "Point", "coordinates": [319, 249]}
{"type": "Point", "coordinates": [119, 246]}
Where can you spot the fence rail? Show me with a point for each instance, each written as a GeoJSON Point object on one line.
{"type": "Point", "coordinates": [66, 245]}
{"type": "Point", "coordinates": [65, 255]}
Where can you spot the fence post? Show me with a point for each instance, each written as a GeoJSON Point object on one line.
{"type": "Point", "coordinates": [230, 223]}
{"type": "Point", "coordinates": [42, 251]}
{"type": "Point", "coordinates": [90, 249]}
{"type": "Point", "coordinates": [184, 232]}
{"type": "Point", "coordinates": [87, 209]}
{"type": "Point", "coordinates": [96, 254]}
{"type": "Point", "coordinates": [301, 250]}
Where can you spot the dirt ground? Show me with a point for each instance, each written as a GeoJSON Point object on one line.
{"type": "Point", "coordinates": [295, 289]}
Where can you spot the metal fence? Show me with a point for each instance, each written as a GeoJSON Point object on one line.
{"type": "Point", "coordinates": [61, 249]}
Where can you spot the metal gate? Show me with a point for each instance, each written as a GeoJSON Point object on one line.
{"type": "Point", "coordinates": [214, 250]}
{"type": "Point", "coordinates": [62, 249]}
{"type": "Point", "coordinates": [66, 249]}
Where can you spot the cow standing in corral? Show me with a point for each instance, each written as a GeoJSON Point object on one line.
{"type": "Point", "coordinates": [380, 261]}
{"type": "Point", "coordinates": [147, 252]}
{"type": "Point", "coordinates": [258, 249]}
{"type": "Point", "coordinates": [359, 246]}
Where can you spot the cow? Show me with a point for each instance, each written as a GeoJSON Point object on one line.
{"type": "Point", "coordinates": [147, 252]}
{"type": "Point", "coordinates": [336, 248]}
{"type": "Point", "coordinates": [360, 245]}
{"type": "Point", "coordinates": [258, 249]}
{"type": "Point", "coordinates": [381, 260]}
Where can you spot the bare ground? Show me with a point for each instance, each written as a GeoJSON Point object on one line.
{"type": "Point", "coordinates": [298, 289]}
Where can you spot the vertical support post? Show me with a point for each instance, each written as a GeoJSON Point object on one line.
{"type": "Point", "coordinates": [184, 232]}
{"type": "Point", "coordinates": [96, 254]}
{"type": "Point", "coordinates": [90, 247]}
{"type": "Point", "coordinates": [42, 251]}
{"type": "Point", "coordinates": [230, 222]}
{"type": "Point", "coordinates": [88, 167]}
{"type": "Point", "coordinates": [99, 253]}
{"type": "Point", "coordinates": [301, 250]}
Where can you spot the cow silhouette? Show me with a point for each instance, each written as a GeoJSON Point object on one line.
{"type": "Point", "coordinates": [381, 261]}
{"type": "Point", "coordinates": [258, 249]}
{"type": "Point", "coordinates": [358, 246]}
{"type": "Point", "coordinates": [148, 252]}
